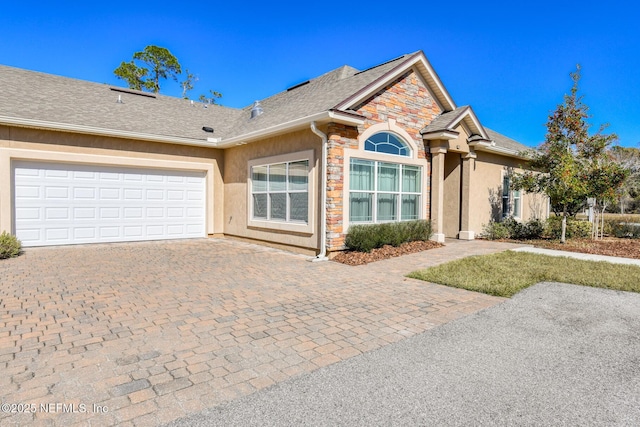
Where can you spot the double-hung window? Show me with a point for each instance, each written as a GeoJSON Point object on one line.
{"type": "Point", "coordinates": [280, 192]}
{"type": "Point", "coordinates": [511, 199]}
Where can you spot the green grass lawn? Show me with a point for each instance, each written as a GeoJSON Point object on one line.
{"type": "Point", "coordinates": [507, 273]}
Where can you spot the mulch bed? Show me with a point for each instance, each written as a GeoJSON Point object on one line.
{"type": "Point", "coordinates": [360, 258]}
{"type": "Point", "coordinates": [626, 248]}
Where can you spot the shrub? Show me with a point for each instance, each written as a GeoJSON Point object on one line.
{"type": "Point", "coordinates": [495, 231]}
{"type": "Point", "coordinates": [576, 228]}
{"type": "Point", "coordinates": [366, 237]}
{"type": "Point", "coordinates": [533, 229]}
{"type": "Point", "coordinates": [10, 246]}
{"type": "Point", "coordinates": [510, 228]}
{"type": "Point", "coordinates": [621, 228]}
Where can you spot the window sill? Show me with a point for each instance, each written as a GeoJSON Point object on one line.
{"type": "Point", "coordinates": [282, 226]}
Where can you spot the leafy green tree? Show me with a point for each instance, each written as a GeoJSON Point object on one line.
{"type": "Point", "coordinates": [133, 74]}
{"type": "Point", "coordinates": [147, 67]}
{"type": "Point", "coordinates": [210, 99]}
{"type": "Point", "coordinates": [571, 165]}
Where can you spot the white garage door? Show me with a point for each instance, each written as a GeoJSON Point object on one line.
{"type": "Point", "coordinates": [62, 204]}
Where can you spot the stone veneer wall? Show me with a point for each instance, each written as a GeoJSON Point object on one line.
{"type": "Point", "coordinates": [407, 101]}
{"type": "Point", "coordinates": [339, 136]}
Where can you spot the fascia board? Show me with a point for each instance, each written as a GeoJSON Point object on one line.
{"type": "Point", "coordinates": [92, 130]}
{"type": "Point", "coordinates": [425, 68]}
{"type": "Point", "coordinates": [441, 134]}
{"type": "Point", "coordinates": [339, 117]}
{"type": "Point", "coordinates": [469, 121]}
{"type": "Point", "coordinates": [488, 147]}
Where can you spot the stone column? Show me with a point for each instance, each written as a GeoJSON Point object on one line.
{"type": "Point", "coordinates": [465, 202]}
{"type": "Point", "coordinates": [438, 151]}
{"type": "Point", "coordinates": [339, 137]}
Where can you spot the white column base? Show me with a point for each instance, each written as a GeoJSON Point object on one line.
{"type": "Point", "coordinates": [466, 235]}
{"type": "Point", "coordinates": [438, 237]}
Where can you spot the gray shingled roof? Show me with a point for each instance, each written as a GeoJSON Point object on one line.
{"type": "Point", "coordinates": [39, 96]}
{"type": "Point", "coordinates": [506, 142]}
{"type": "Point", "coordinates": [444, 121]}
{"type": "Point", "coordinates": [31, 95]}
{"type": "Point", "coordinates": [45, 97]}
{"type": "Point", "coordinates": [318, 95]}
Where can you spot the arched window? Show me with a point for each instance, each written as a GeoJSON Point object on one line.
{"type": "Point", "coordinates": [387, 143]}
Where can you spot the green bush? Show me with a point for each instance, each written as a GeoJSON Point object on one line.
{"type": "Point", "coordinates": [510, 228]}
{"type": "Point", "coordinates": [10, 246]}
{"type": "Point", "coordinates": [576, 228]}
{"type": "Point", "coordinates": [622, 228]}
{"type": "Point", "coordinates": [495, 231]}
{"type": "Point", "coordinates": [366, 237]}
{"type": "Point", "coordinates": [534, 229]}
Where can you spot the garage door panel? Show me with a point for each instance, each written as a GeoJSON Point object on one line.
{"type": "Point", "coordinates": [65, 204]}
{"type": "Point", "coordinates": [84, 233]}
{"type": "Point", "coordinates": [57, 234]}
{"type": "Point", "coordinates": [109, 193]}
{"type": "Point", "coordinates": [57, 174]}
{"type": "Point", "coordinates": [84, 175]}
{"type": "Point", "coordinates": [133, 194]}
{"type": "Point", "coordinates": [133, 231]}
{"type": "Point", "coordinates": [80, 213]}
{"type": "Point", "coordinates": [53, 214]}
{"type": "Point", "coordinates": [84, 193]}
{"type": "Point", "coordinates": [27, 192]}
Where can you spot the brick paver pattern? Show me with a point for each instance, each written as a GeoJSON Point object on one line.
{"type": "Point", "coordinates": [143, 333]}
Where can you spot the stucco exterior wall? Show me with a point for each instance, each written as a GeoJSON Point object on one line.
{"type": "Point", "coordinates": [452, 182]}
{"type": "Point", "coordinates": [486, 191]}
{"type": "Point", "coordinates": [237, 192]}
{"type": "Point", "coordinates": [18, 143]}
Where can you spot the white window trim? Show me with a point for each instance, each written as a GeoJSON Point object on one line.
{"type": "Point", "coordinates": [511, 201]}
{"type": "Point", "coordinates": [391, 127]}
{"type": "Point", "coordinates": [298, 227]}
{"type": "Point", "coordinates": [361, 153]}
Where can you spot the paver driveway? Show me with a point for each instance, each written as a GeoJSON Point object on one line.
{"type": "Point", "coordinates": [143, 333]}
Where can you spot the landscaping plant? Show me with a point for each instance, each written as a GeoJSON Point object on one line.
{"type": "Point", "coordinates": [10, 246]}
{"type": "Point", "coordinates": [366, 237]}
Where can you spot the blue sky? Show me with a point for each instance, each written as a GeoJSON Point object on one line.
{"type": "Point", "coordinates": [509, 60]}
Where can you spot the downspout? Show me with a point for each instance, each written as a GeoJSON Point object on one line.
{"type": "Point", "coordinates": [322, 256]}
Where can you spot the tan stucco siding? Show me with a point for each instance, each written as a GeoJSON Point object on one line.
{"type": "Point", "coordinates": [237, 192]}
{"type": "Point", "coordinates": [459, 144]}
{"type": "Point", "coordinates": [486, 191]}
{"type": "Point", "coordinates": [452, 182]}
{"type": "Point", "coordinates": [18, 143]}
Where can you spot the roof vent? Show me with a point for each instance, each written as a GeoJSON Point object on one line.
{"type": "Point", "coordinates": [298, 85]}
{"type": "Point", "coordinates": [119, 101]}
{"type": "Point", "coordinates": [207, 129]}
{"type": "Point", "coordinates": [256, 110]}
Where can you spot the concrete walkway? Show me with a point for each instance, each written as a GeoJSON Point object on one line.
{"type": "Point", "coordinates": [141, 334]}
{"type": "Point", "coordinates": [578, 255]}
